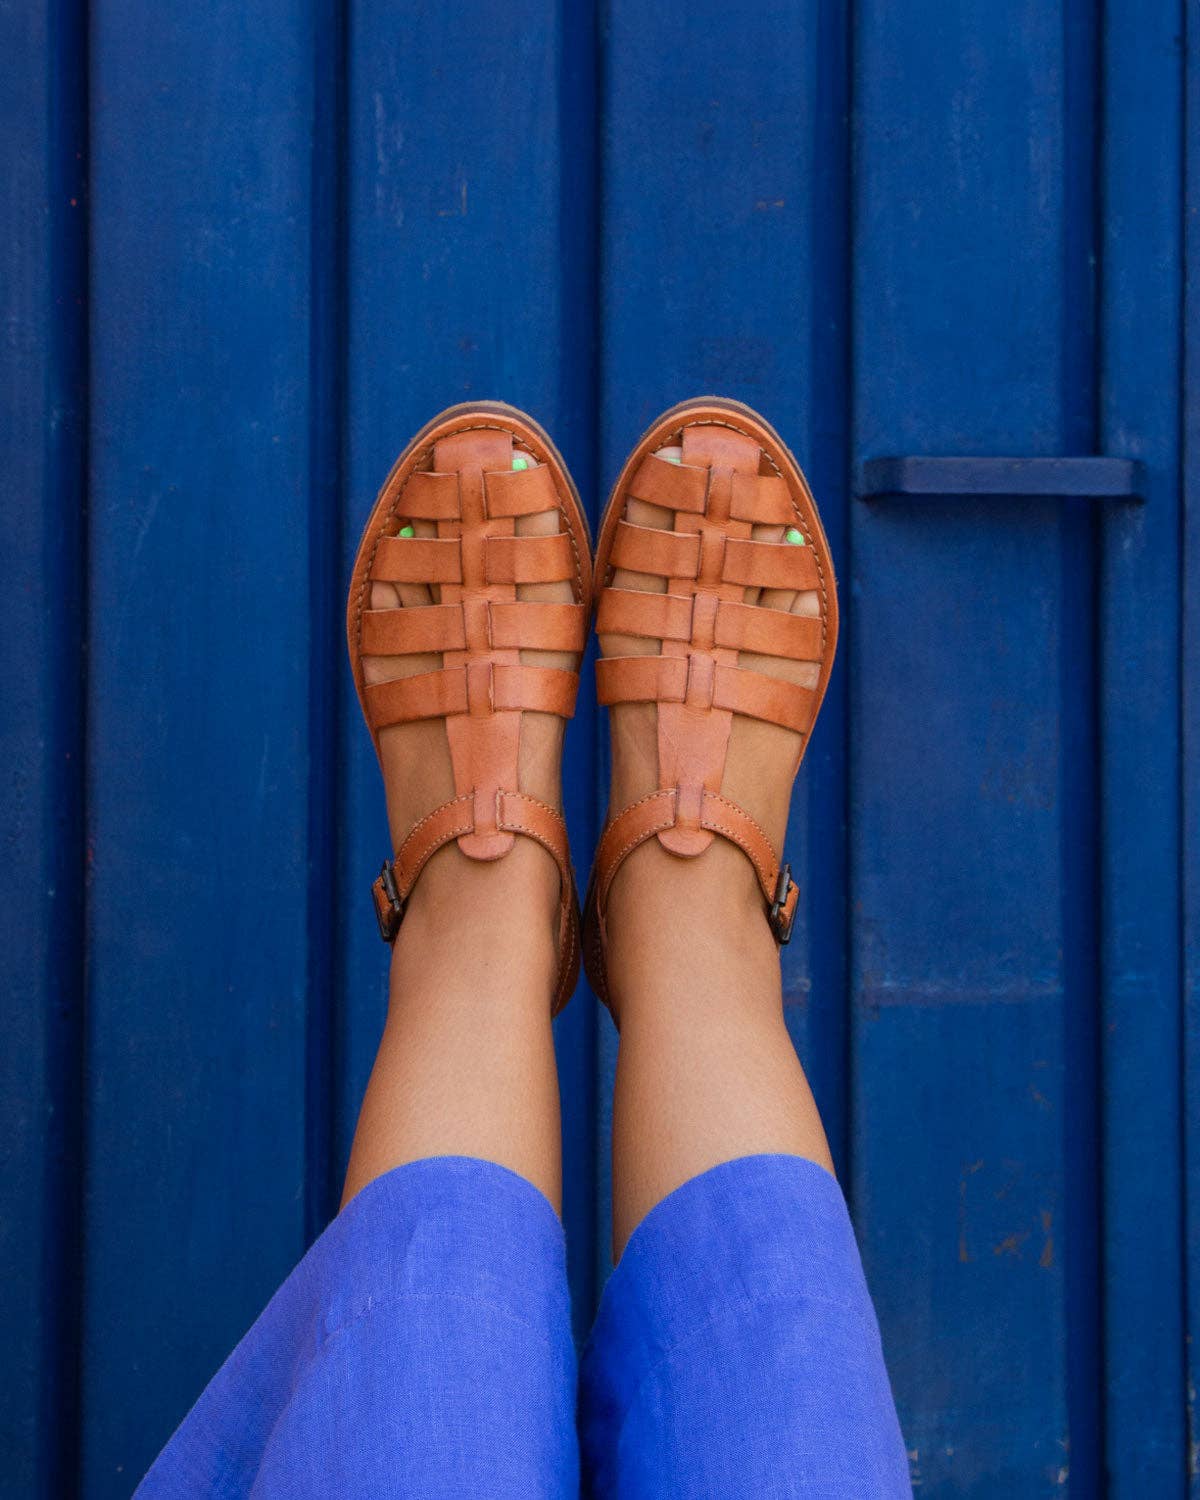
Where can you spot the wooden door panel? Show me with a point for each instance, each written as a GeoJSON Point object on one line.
{"type": "Point", "coordinates": [197, 713]}
{"type": "Point", "coordinates": [42, 421]}
{"type": "Point", "coordinates": [1147, 1436]}
{"type": "Point", "coordinates": [971, 698]}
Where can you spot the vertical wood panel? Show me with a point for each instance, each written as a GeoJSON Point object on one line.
{"type": "Point", "coordinates": [1190, 801]}
{"type": "Point", "coordinates": [198, 703]}
{"type": "Point", "coordinates": [326, 426]}
{"type": "Point", "coordinates": [1139, 778]}
{"type": "Point", "coordinates": [722, 213]}
{"type": "Point", "coordinates": [42, 310]}
{"type": "Point", "coordinates": [971, 694]}
{"type": "Point", "coordinates": [470, 213]}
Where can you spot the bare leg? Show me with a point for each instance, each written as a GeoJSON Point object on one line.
{"type": "Point", "coordinates": [706, 1071]}
{"type": "Point", "coordinates": [466, 1064]}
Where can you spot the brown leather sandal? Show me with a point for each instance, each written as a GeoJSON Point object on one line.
{"type": "Point", "coordinates": [459, 474]}
{"type": "Point", "coordinates": [733, 473]}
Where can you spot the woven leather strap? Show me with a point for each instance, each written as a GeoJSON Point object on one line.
{"type": "Point", "coordinates": [477, 560]}
{"type": "Point", "coordinates": [693, 607]}
{"type": "Point", "coordinates": [464, 487]}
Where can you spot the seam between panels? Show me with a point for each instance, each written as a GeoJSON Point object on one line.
{"type": "Point", "coordinates": [327, 349]}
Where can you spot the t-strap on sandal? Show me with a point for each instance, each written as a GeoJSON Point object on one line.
{"type": "Point", "coordinates": [446, 525]}
{"type": "Point", "coordinates": [742, 524]}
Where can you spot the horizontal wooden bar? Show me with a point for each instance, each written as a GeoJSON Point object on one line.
{"type": "Point", "coordinates": [1089, 478]}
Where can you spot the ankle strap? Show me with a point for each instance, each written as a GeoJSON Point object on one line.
{"type": "Point", "coordinates": [657, 811]}
{"type": "Point", "coordinates": [516, 813]}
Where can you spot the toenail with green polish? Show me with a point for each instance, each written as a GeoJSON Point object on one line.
{"type": "Point", "coordinates": [520, 462]}
{"type": "Point", "coordinates": [673, 458]}
{"type": "Point", "coordinates": [795, 537]}
{"type": "Point", "coordinates": [405, 531]}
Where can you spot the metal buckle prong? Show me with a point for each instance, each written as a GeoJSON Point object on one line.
{"type": "Point", "coordinates": [781, 922]}
{"type": "Point", "coordinates": [391, 915]}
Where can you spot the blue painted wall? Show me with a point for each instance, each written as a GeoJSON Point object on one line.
{"type": "Point", "coordinates": [243, 257]}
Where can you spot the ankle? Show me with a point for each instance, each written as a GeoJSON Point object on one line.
{"type": "Point", "coordinates": [692, 927]}
{"type": "Point", "coordinates": [474, 922]}
{"type": "Point", "coordinates": [718, 886]}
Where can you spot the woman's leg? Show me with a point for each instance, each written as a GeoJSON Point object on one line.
{"type": "Point", "coordinates": [736, 1350]}
{"type": "Point", "coordinates": [706, 1070]}
{"type": "Point", "coordinates": [466, 1063]}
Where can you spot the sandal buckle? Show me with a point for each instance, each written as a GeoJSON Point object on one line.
{"type": "Point", "coordinates": [389, 906]}
{"type": "Point", "coordinates": [782, 912]}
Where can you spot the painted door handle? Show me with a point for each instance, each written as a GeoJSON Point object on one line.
{"type": "Point", "coordinates": [1091, 478]}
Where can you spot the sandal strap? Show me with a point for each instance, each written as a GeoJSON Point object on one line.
{"type": "Point", "coordinates": [760, 499]}
{"type": "Point", "coordinates": [443, 627]}
{"type": "Point", "coordinates": [725, 560]}
{"type": "Point", "coordinates": [515, 813]}
{"type": "Point", "coordinates": [735, 626]}
{"type": "Point", "coordinates": [658, 811]}
{"type": "Point", "coordinates": [476, 688]}
{"type": "Point", "coordinates": [701, 682]}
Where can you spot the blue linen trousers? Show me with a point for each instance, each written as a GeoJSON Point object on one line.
{"type": "Point", "coordinates": [422, 1348]}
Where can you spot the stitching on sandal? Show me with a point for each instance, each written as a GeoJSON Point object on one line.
{"type": "Point", "coordinates": [737, 808]}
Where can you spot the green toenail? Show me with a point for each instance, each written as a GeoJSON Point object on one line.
{"type": "Point", "coordinates": [673, 458]}
{"type": "Point", "coordinates": [405, 531]}
{"type": "Point", "coordinates": [520, 463]}
{"type": "Point", "coordinates": [795, 537]}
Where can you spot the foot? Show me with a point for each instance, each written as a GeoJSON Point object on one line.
{"type": "Point", "coordinates": [470, 748]}
{"type": "Point", "coordinates": [704, 749]}
{"type": "Point", "coordinates": [417, 773]}
{"type": "Point", "coordinates": [762, 759]}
